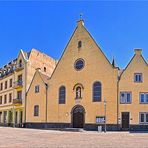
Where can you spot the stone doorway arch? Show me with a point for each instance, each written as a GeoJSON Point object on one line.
{"type": "Point", "coordinates": [78, 116]}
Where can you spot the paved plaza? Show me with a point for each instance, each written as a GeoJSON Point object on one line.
{"type": "Point", "coordinates": [33, 138]}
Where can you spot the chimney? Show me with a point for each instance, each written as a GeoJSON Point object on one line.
{"type": "Point", "coordinates": [138, 51]}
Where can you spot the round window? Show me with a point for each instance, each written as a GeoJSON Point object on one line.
{"type": "Point", "coordinates": [79, 64]}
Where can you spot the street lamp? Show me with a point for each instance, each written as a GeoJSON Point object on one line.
{"type": "Point", "coordinates": [105, 103]}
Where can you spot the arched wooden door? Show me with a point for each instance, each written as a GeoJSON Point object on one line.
{"type": "Point", "coordinates": [78, 117]}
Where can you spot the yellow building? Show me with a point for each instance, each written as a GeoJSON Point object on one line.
{"type": "Point", "coordinates": [133, 94]}
{"type": "Point", "coordinates": [85, 90]}
{"type": "Point", "coordinates": [82, 82]}
{"type": "Point", "coordinates": [15, 79]}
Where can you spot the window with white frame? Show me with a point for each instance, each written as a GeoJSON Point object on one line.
{"type": "Point", "coordinates": [37, 88]}
{"type": "Point", "coordinates": [138, 77]}
{"type": "Point", "coordinates": [143, 97]}
{"type": "Point", "coordinates": [144, 117]}
{"type": "Point", "coordinates": [125, 97]}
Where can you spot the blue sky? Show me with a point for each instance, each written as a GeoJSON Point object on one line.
{"type": "Point", "coordinates": [117, 27]}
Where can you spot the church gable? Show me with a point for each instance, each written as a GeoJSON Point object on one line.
{"type": "Point", "coordinates": [38, 79]}
{"type": "Point", "coordinates": [82, 46]}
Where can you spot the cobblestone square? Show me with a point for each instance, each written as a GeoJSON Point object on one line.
{"type": "Point", "coordinates": [34, 138]}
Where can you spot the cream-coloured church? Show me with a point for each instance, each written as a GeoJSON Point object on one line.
{"type": "Point", "coordinates": [85, 90]}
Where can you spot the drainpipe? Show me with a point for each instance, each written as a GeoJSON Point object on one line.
{"type": "Point", "coordinates": [46, 85]}
{"type": "Point", "coordinates": [25, 101]}
{"type": "Point", "coordinates": [118, 103]}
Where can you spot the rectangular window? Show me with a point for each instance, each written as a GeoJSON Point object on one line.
{"type": "Point", "coordinates": [10, 97]}
{"type": "Point", "coordinates": [144, 98]}
{"type": "Point", "coordinates": [5, 84]}
{"type": "Point", "coordinates": [19, 95]}
{"type": "Point", "coordinates": [100, 119]}
{"type": "Point", "coordinates": [37, 89]}
{"type": "Point", "coordinates": [20, 80]}
{"type": "Point", "coordinates": [138, 77]}
{"type": "Point", "coordinates": [10, 83]}
{"type": "Point", "coordinates": [5, 99]}
{"type": "Point", "coordinates": [1, 86]}
{"type": "Point", "coordinates": [144, 117]}
{"type": "Point", "coordinates": [0, 99]}
{"type": "Point", "coordinates": [125, 97]}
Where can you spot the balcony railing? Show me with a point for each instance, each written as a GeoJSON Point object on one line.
{"type": "Point", "coordinates": [17, 101]}
{"type": "Point", "coordinates": [19, 67]}
{"type": "Point", "coordinates": [18, 84]}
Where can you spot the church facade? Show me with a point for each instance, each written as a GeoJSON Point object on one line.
{"type": "Point", "coordinates": [86, 91]}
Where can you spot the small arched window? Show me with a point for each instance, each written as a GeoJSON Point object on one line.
{"type": "Point", "coordinates": [36, 110]}
{"type": "Point", "coordinates": [79, 44]}
{"type": "Point", "coordinates": [78, 92]}
{"type": "Point", "coordinates": [97, 88]}
{"type": "Point", "coordinates": [62, 95]}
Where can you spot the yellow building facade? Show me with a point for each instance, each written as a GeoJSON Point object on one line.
{"type": "Point", "coordinates": [133, 94]}
{"type": "Point", "coordinates": [78, 89]}
{"type": "Point", "coordinates": [15, 79]}
{"type": "Point", "coordinates": [86, 91]}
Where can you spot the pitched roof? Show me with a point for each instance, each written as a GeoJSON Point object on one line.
{"type": "Point", "coordinates": [122, 71]}
{"type": "Point", "coordinates": [44, 78]}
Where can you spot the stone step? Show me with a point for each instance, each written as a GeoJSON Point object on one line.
{"type": "Point", "coordinates": [73, 129]}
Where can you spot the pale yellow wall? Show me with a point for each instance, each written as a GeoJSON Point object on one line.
{"type": "Point", "coordinates": [97, 68]}
{"type": "Point", "coordinates": [127, 83]}
{"type": "Point", "coordinates": [17, 73]}
{"type": "Point", "coordinates": [9, 105]}
{"type": "Point", "coordinates": [36, 99]}
{"type": "Point", "coordinates": [6, 91]}
{"type": "Point", "coordinates": [39, 60]}
{"type": "Point", "coordinates": [36, 60]}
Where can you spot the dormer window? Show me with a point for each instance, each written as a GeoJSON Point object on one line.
{"type": "Point", "coordinates": [20, 63]}
{"type": "Point", "coordinates": [79, 44]}
{"type": "Point", "coordinates": [138, 77]}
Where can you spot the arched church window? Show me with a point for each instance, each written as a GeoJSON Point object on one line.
{"type": "Point", "coordinates": [62, 95]}
{"type": "Point", "coordinates": [36, 110]}
{"type": "Point", "coordinates": [97, 88]}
